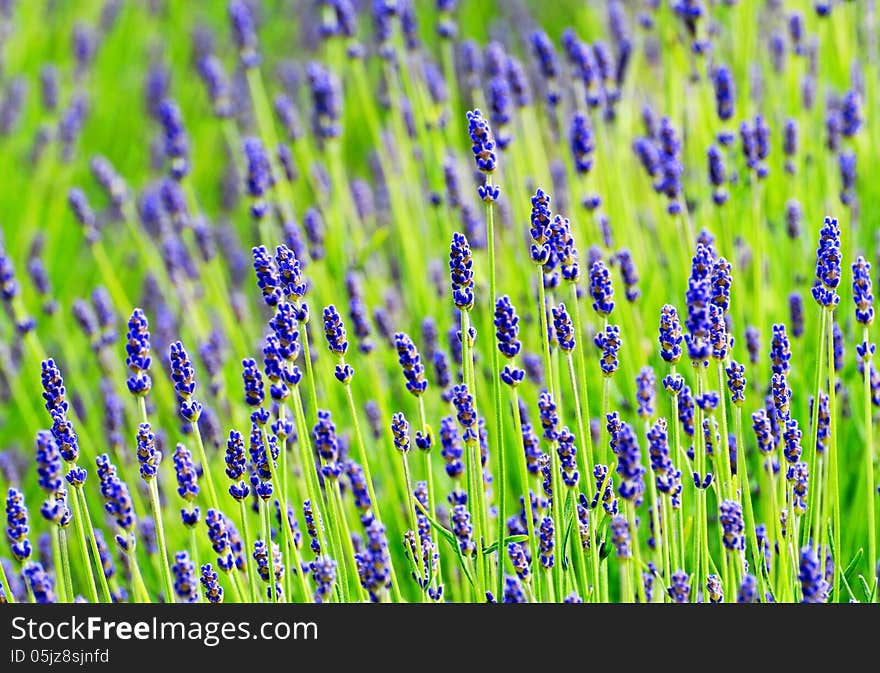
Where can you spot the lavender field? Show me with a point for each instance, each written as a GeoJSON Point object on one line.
{"type": "Point", "coordinates": [420, 301]}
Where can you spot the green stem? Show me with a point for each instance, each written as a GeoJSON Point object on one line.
{"type": "Point", "coordinates": [726, 485]}
{"type": "Point", "coordinates": [743, 474]}
{"type": "Point", "coordinates": [670, 541]}
{"type": "Point", "coordinates": [556, 504]}
{"type": "Point", "coordinates": [84, 552]}
{"type": "Point", "coordinates": [7, 589]}
{"type": "Point", "coordinates": [833, 486]}
{"type": "Point", "coordinates": [637, 554]}
{"type": "Point", "coordinates": [545, 342]}
{"type": "Point", "coordinates": [282, 503]}
{"type": "Point", "coordinates": [606, 388]}
{"type": "Point", "coordinates": [270, 552]}
{"type": "Point", "coordinates": [317, 498]}
{"type": "Point", "coordinates": [660, 523]}
{"type": "Point", "coordinates": [297, 559]}
{"type": "Point", "coordinates": [365, 464]}
{"type": "Point", "coordinates": [93, 543]}
{"type": "Point", "coordinates": [160, 537]}
{"type": "Point", "coordinates": [701, 524]}
{"type": "Point", "coordinates": [475, 476]}
{"type": "Point", "coordinates": [429, 474]}
{"type": "Point", "coordinates": [236, 590]}
{"type": "Point", "coordinates": [206, 466]}
{"type": "Point", "coordinates": [869, 465]}
{"type": "Point", "coordinates": [120, 299]}
{"type": "Point", "coordinates": [418, 562]}
{"type": "Point", "coordinates": [676, 451]}
{"type": "Point", "coordinates": [496, 394]}
{"type": "Point", "coordinates": [307, 458]}
{"type": "Point", "coordinates": [523, 475]}
{"type": "Point", "coordinates": [249, 559]}
{"type": "Point", "coordinates": [577, 552]}
{"type": "Point", "coordinates": [582, 400]}
{"type": "Point", "coordinates": [64, 553]}
{"type": "Point", "coordinates": [61, 585]}
{"type": "Point", "coordinates": [813, 496]}
{"type": "Point", "coordinates": [346, 544]}
{"type": "Point", "coordinates": [310, 374]}
{"type": "Point", "coordinates": [136, 575]}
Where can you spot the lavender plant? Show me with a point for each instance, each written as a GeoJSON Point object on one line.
{"type": "Point", "coordinates": [513, 246]}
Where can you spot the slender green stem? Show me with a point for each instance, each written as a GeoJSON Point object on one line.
{"type": "Point", "coordinates": [249, 559]}
{"type": "Point", "coordinates": [523, 474]}
{"type": "Point", "coordinates": [545, 342]}
{"type": "Point", "coordinates": [813, 496]}
{"type": "Point", "coordinates": [429, 474]}
{"type": "Point", "coordinates": [475, 476]}
{"type": "Point", "coordinates": [320, 501]}
{"type": "Point", "coordinates": [349, 557]}
{"type": "Point", "coordinates": [701, 524]}
{"type": "Point", "coordinates": [93, 543]}
{"type": "Point", "coordinates": [291, 548]}
{"type": "Point", "coordinates": [556, 507]}
{"type": "Point", "coordinates": [236, 590]}
{"type": "Point", "coordinates": [419, 562]}
{"type": "Point", "coordinates": [870, 493]}
{"type": "Point", "coordinates": [365, 464]}
{"type": "Point", "coordinates": [30, 590]}
{"type": "Point", "coordinates": [307, 457]}
{"type": "Point", "coordinates": [726, 481]}
{"type": "Point", "coordinates": [637, 554]}
{"type": "Point", "coordinates": [676, 451]}
{"type": "Point", "coordinates": [136, 575]}
{"type": "Point", "coordinates": [585, 457]}
{"type": "Point", "coordinates": [206, 466]}
{"type": "Point", "coordinates": [833, 486]}
{"type": "Point", "coordinates": [117, 293]}
{"type": "Point", "coordinates": [670, 542]}
{"type": "Point", "coordinates": [783, 567]}
{"type": "Point", "coordinates": [286, 533]}
{"type": "Point", "coordinates": [7, 589]}
{"type": "Point", "coordinates": [310, 374]}
{"type": "Point", "coordinates": [661, 535]}
{"type": "Point", "coordinates": [64, 554]}
{"type": "Point", "coordinates": [496, 394]}
{"type": "Point", "coordinates": [742, 471]}
{"type": "Point", "coordinates": [606, 390]}
{"type": "Point", "coordinates": [582, 400]}
{"type": "Point", "coordinates": [270, 552]}
{"type": "Point", "coordinates": [63, 595]}
{"type": "Point", "coordinates": [577, 552]}
{"type": "Point", "coordinates": [160, 537]}
{"type": "Point", "coordinates": [79, 522]}
{"type": "Point", "coordinates": [362, 451]}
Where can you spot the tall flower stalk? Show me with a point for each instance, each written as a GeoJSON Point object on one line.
{"type": "Point", "coordinates": [484, 154]}
{"type": "Point", "coordinates": [864, 312]}
{"type": "Point", "coordinates": [828, 274]}
{"type": "Point", "coordinates": [462, 277]}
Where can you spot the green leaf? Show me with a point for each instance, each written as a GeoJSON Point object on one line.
{"type": "Point", "coordinates": [848, 588]}
{"type": "Point", "coordinates": [569, 526]}
{"type": "Point", "coordinates": [865, 588]}
{"type": "Point", "coordinates": [451, 540]}
{"type": "Point", "coordinates": [843, 575]}
{"type": "Point", "coordinates": [510, 538]}
{"type": "Point", "coordinates": [852, 564]}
